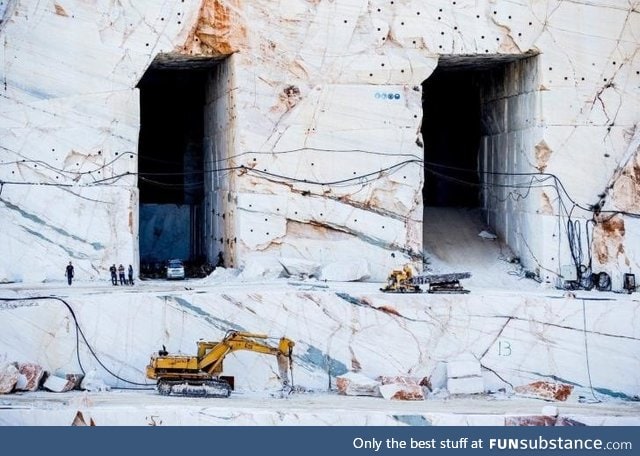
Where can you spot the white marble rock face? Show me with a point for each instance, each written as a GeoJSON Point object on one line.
{"type": "Point", "coordinates": [320, 103]}
{"type": "Point", "coordinates": [316, 92]}
{"type": "Point", "coordinates": [515, 340]}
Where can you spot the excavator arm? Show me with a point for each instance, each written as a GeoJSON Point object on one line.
{"type": "Point", "coordinates": [212, 354]}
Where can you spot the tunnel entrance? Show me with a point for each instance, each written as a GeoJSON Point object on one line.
{"type": "Point", "coordinates": [478, 124]}
{"type": "Point", "coordinates": [171, 165]}
{"type": "Point", "coordinates": [451, 132]}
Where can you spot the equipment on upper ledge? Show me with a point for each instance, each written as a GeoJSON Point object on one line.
{"type": "Point", "coordinates": [403, 281]}
{"type": "Point", "coordinates": [444, 283]}
{"type": "Point", "coordinates": [400, 281]}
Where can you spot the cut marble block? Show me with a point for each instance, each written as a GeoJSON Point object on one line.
{"type": "Point", "coordinates": [464, 366]}
{"type": "Point", "coordinates": [465, 385]}
{"type": "Point", "coordinates": [354, 384]}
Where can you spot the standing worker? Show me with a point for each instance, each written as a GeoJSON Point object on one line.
{"type": "Point", "coordinates": [130, 271]}
{"type": "Point", "coordinates": [69, 272]}
{"type": "Point", "coordinates": [114, 277]}
{"type": "Point", "coordinates": [121, 274]}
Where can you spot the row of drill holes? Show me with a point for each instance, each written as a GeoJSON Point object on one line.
{"type": "Point", "coordinates": [440, 18]}
{"type": "Point", "coordinates": [582, 78]}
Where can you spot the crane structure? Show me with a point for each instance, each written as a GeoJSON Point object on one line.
{"type": "Point", "coordinates": [405, 281]}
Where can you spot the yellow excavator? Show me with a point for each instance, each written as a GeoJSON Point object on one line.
{"type": "Point", "coordinates": [200, 375]}
{"type": "Point", "coordinates": [401, 281]}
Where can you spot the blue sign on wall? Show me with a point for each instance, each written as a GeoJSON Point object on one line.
{"type": "Point", "coordinates": [387, 95]}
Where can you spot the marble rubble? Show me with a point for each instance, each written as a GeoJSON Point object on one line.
{"type": "Point", "coordinates": [9, 376]}
{"type": "Point", "coordinates": [545, 390]}
{"type": "Point", "coordinates": [402, 388]}
{"type": "Point", "coordinates": [355, 384]}
{"type": "Point", "coordinates": [33, 374]}
{"type": "Point", "coordinates": [58, 384]}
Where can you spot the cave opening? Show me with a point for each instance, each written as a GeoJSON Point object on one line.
{"type": "Point", "coordinates": [478, 126]}
{"type": "Point", "coordinates": [451, 133]}
{"type": "Point", "coordinates": [173, 193]}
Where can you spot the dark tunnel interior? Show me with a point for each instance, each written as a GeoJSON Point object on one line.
{"type": "Point", "coordinates": [171, 166]}
{"type": "Point", "coordinates": [171, 136]}
{"type": "Point", "coordinates": [451, 129]}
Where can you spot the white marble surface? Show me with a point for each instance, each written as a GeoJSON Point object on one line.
{"type": "Point", "coordinates": [125, 408]}
{"type": "Point", "coordinates": [70, 110]}
{"type": "Point", "coordinates": [515, 338]}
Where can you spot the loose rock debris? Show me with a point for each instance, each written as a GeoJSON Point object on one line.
{"type": "Point", "coordinates": [79, 420]}
{"type": "Point", "coordinates": [402, 388]}
{"type": "Point", "coordinates": [545, 390]}
{"type": "Point", "coordinates": [58, 384]}
{"type": "Point", "coordinates": [33, 374]}
{"type": "Point", "coordinates": [8, 378]}
{"type": "Point", "coordinates": [540, 420]}
{"type": "Point", "coordinates": [31, 377]}
{"type": "Point", "coordinates": [389, 387]}
{"type": "Point", "coordinates": [355, 384]}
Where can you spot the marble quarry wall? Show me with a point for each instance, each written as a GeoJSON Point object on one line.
{"type": "Point", "coordinates": [513, 340]}
{"type": "Point", "coordinates": [313, 142]}
{"type": "Point", "coordinates": [511, 131]}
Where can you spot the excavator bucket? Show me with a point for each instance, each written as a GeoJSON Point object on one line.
{"type": "Point", "coordinates": [285, 369]}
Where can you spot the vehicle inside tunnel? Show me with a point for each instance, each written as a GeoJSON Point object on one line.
{"type": "Point", "coordinates": [171, 164]}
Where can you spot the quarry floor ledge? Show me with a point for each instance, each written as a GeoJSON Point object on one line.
{"type": "Point", "coordinates": [314, 402]}
{"type": "Point", "coordinates": [87, 288]}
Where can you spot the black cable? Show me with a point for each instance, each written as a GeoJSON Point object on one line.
{"type": "Point", "coordinates": [586, 350]}
{"type": "Point", "coordinates": [557, 182]}
{"type": "Point", "coordinates": [367, 177]}
{"type": "Point", "coordinates": [574, 235]}
{"type": "Point", "coordinates": [79, 333]}
{"type": "Point", "coordinates": [49, 184]}
{"type": "Point", "coordinates": [247, 169]}
{"type": "Point", "coordinates": [337, 182]}
{"type": "Point", "coordinates": [119, 155]}
{"type": "Point", "coordinates": [61, 171]}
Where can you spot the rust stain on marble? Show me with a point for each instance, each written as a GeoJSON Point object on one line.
{"type": "Point", "coordinates": [219, 30]}
{"type": "Point", "coordinates": [60, 11]}
{"type": "Point", "coordinates": [545, 204]}
{"type": "Point", "coordinates": [543, 152]}
{"type": "Point", "coordinates": [626, 188]}
{"type": "Point", "coordinates": [287, 99]}
{"type": "Point", "coordinates": [545, 390]}
{"type": "Point", "coordinates": [389, 310]}
{"type": "Point", "coordinates": [608, 239]}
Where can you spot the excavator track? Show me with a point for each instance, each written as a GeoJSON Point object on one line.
{"type": "Point", "coordinates": [198, 388]}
